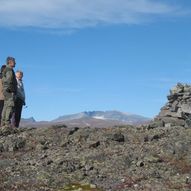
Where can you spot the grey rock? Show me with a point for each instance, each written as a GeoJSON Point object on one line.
{"type": "Point", "coordinates": [118, 137]}
{"type": "Point", "coordinates": [140, 164]}
{"type": "Point", "coordinates": [155, 124]}
{"type": "Point", "coordinates": [186, 108]}
{"type": "Point", "coordinates": [179, 88]}
{"type": "Point", "coordinates": [153, 159]}
{"type": "Point", "coordinates": [174, 107]}
{"type": "Point", "coordinates": [95, 145]}
{"type": "Point", "coordinates": [89, 167]}
{"type": "Point", "coordinates": [20, 143]}
{"type": "Point", "coordinates": [187, 89]}
{"type": "Point", "coordinates": [73, 130]}
{"type": "Point", "coordinates": [157, 136]}
{"type": "Point", "coordinates": [1, 147]}
{"type": "Point", "coordinates": [177, 112]}
{"type": "Point", "coordinates": [173, 121]}
{"type": "Point", "coordinates": [188, 123]}
{"type": "Point", "coordinates": [172, 98]}
{"type": "Point", "coordinates": [165, 113]}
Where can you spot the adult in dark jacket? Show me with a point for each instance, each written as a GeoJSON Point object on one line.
{"type": "Point", "coordinates": [1, 90]}
{"type": "Point", "coordinates": [9, 91]}
{"type": "Point", "coordinates": [20, 98]}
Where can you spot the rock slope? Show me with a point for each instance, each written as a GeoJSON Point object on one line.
{"type": "Point", "coordinates": [111, 159]}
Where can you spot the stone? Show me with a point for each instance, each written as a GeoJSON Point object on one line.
{"type": "Point", "coordinates": [168, 124]}
{"type": "Point", "coordinates": [89, 167]}
{"type": "Point", "coordinates": [165, 113]}
{"type": "Point", "coordinates": [93, 186]}
{"type": "Point", "coordinates": [73, 130]}
{"type": "Point", "coordinates": [49, 162]}
{"type": "Point", "coordinates": [155, 124]}
{"type": "Point", "coordinates": [177, 89]}
{"type": "Point", "coordinates": [172, 97]}
{"type": "Point", "coordinates": [174, 107]}
{"type": "Point", "coordinates": [173, 121]}
{"type": "Point", "coordinates": [187, 89]}
{"type": "Point", "coordinates": [153, 159]}
{"type": "Point", "coordinates": [1, 147]}
{"type": "Point", "coordinates": [186, 108]}
{"type": "Point", "coordinates": [118, 137]}
{"type": "Point", "coordinates": [95, 145]}
{"type": "Point", "coordinates": [20, 143]}
{"type": "Point", "coordinates": [146, 138]}
{"type": "Point", "coordinates": [157, 137]}
{"type": "Point", "coordinates": [188, 123]}
{"type": "Point", "coordinates": [140, 164]}
{"type": "Point", "coordinates": [15, 144]}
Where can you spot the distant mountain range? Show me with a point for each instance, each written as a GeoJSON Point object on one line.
{"type": "Point", "coordinates": [92, 118]}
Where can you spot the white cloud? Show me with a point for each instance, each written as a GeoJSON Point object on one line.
{"type": "Point", "coordinates": [80, 13]}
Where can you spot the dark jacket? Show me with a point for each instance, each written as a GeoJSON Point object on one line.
{"type": "Point", "coordinates": [9, 80]}
{"type": "Point", "coordinates": [20, 90]}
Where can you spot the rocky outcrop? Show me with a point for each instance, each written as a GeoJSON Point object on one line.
{"type": "Point", "coordinates": [177, 111]}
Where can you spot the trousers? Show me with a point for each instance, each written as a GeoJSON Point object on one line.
{"type": "Point", "coordinates": [18, 111]}
{"type": "Point", "coordinates": [8, 109]}
{"type": "Point", "coordinates": [1, 108]}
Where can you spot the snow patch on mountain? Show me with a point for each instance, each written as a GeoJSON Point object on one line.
{"type": "Point", "coordinates": [100, 117]}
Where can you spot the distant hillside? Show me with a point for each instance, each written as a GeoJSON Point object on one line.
{"type": "Point", "coordinates": [92, 119]}
{"type": "Point", "coordinates": [28, 120]}
{"type": "Point", "coordinates": [105, 115]}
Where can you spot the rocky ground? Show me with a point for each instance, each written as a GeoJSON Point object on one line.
{"type": "Point", "coordinates": [109, 159]}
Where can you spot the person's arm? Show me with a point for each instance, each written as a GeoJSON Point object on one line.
{"type": "Point", "coordinates": [8, 81]}
{"type": "Point", "coordinates": [24, 96]}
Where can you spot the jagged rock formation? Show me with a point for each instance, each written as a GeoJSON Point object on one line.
{"type": "Point", "coordinates": [178, 109]}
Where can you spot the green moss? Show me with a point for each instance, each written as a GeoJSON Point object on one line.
{"type": "Point", "coordinates": [80, 187]}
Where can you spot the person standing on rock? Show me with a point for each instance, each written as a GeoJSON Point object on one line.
{"type": "Point", "coordinates": [9, 91]}
{"type": "Point", "coordinates": [20, 99]}
{"type": "Point", "coordinates": [1, 90]}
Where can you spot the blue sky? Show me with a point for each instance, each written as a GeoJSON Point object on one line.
{"type": "Point", "coordinates": [97, 55]}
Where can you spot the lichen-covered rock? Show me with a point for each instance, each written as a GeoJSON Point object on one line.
{"type": "Point", "coordinates": [118, 137]}
{"type": "Point", "coordinates": [177, 111]}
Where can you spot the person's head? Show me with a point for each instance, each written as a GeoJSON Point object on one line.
{"type": "Point", "coordinates": [19, 75]}
{"type": "Point", "coordinates": [3, 68]}
{"type": "Point", "coordinates": [11, 62]}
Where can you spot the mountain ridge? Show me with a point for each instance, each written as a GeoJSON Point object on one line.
{"type": "Point", "coordinates": [93, 118]}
